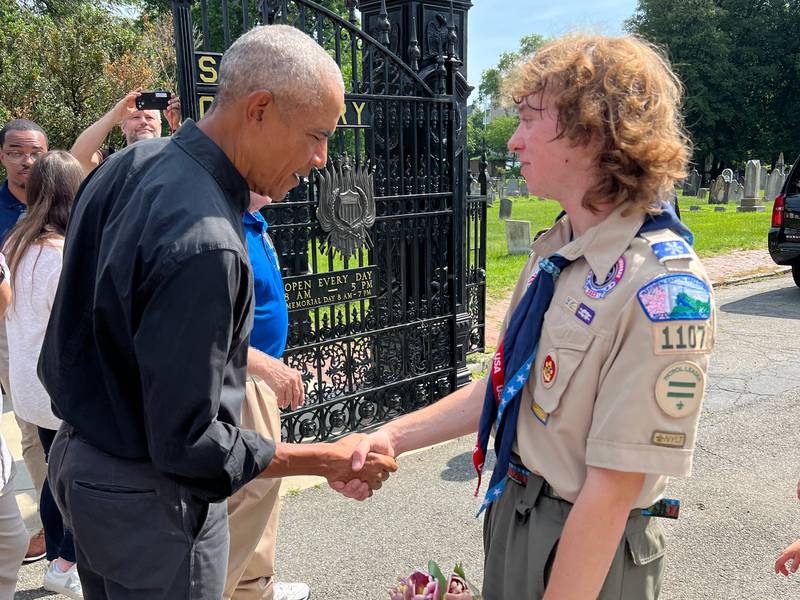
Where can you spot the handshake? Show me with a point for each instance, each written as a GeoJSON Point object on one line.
{"type": "Point", "coordinates": [362, 464]}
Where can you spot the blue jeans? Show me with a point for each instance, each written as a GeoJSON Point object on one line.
{"type": "Point", "coordinates": [57, 538]}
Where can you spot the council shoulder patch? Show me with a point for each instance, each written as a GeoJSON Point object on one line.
{"type": "Point", "coordinates": [676, 297]}
{"type": "Point", "coordinates": [679, 389]}
{"type": "Point", "coordinates": [671, 250]}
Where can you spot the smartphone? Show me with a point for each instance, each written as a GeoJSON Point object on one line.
{"type": "Point", "coordinates": [156, 100]}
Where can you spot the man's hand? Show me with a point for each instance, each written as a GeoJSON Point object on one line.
{"type": "Point", "coordinates": [791, 553]}
{"type": "Point", "coordinates": [357, 489]}
{"type": "Point", "coordinates": [126, 106]}
{"type": "Point", "coordinates": [173, 113]}
{"type": "Point", "coordinates": [286, 382]}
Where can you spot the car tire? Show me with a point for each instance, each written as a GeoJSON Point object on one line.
{"type": "Point", "coordinates": [796, 273]}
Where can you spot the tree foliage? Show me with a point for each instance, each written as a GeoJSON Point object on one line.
{"type": "Point", "coordinates": [492, 78]}
{"type": "Point", "coordinates": [740, 62]}
{"type": "Point", "coordinates": [65, 65]}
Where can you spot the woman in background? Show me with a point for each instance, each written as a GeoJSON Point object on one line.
{"type": "Point", "coordinates": [34, 249]}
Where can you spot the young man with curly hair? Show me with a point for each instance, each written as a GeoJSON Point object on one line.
{"type": "Point", "coordinates": [594, 394]}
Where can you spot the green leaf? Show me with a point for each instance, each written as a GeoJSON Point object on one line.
{"type": "Point", "coordinates": [459, 570]}
{"type": "Point", "coordinates": [436, 573]}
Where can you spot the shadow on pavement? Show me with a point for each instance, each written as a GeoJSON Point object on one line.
{"type": "Point", "coordinates": [460, 468]}
{"type": "Point", "coordinates": [783, 303]}
{"type": "Point", "coordinates": [33, 594]}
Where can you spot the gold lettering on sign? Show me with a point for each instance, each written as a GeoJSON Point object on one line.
{"type": "Point", "coordinates": [208, 69]}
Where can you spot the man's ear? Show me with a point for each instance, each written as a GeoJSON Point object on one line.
{"type": "Point", "coordinates": [257, 105]}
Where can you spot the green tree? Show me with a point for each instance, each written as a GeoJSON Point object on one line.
{"type": "Point", "coordinates": [492, 78]}
{"type": "Point", "coordinates": [739, 61]}
{"type": "Point", "coordinates": [65, 70]}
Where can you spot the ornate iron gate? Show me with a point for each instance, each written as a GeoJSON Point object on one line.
{"type": "Point", "coordinates": [381, 324]}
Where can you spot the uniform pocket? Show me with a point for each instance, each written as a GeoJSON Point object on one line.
{"type": "Point", "coordinates": [562, 349]}
{"type": "Point", "coordinates": [645, 540]}
{"type": "Point", "coordinates": [129, 535]}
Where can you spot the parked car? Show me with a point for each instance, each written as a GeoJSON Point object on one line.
{"type": "Point", "coordinates": [784, 234]}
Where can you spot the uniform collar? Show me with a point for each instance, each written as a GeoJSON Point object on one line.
{"type": "Point", "coordinates": [203, 149]}
{"type": "Point", "coordinates": [601, 245]}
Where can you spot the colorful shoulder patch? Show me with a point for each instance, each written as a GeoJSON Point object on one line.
{"type": "Point", "coordinates": [680, 296]}
{"type": "Point", "coordinates": [671, 250]}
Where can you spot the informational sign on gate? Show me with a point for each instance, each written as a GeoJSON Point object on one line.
{"type": "Point", "coordinates": [356, 113]}
{"type": "Point", "coordinates": [320, 289]}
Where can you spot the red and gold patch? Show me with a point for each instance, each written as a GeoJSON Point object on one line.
{"type": "Point", "coordinates": [549, 370]}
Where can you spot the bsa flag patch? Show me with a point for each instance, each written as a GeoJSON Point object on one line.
{"type": "Point", "coordinates": [549, 370]}
{"type": "Point", "coordinates": [677, 297]}
{"type": "Point", "coordinates": [680, 388]}
{"type": "Point", "coordinates": [671, 250]}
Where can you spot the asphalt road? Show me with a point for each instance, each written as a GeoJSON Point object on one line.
{"type": "Point", "coordinates": [738, 510]}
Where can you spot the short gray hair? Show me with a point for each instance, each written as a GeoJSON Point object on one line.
{"type": "Point", "coordinates": [277, 58]}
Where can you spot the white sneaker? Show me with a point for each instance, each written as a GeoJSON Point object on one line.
{"type": "Point", "coordinates": [68, 584]}
{"type": "Point", "coordinates": [290, 591]}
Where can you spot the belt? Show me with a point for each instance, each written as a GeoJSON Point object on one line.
{"type": "Point", "coordinates": [519, 474]}
{"type": "Point", "coordinates": [667, 508]}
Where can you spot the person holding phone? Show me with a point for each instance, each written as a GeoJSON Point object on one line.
{"type": "Point", "coordinates": [136, 124]}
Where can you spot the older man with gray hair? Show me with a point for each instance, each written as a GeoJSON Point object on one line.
{"type": "Point", "coordinates": [146, 352]}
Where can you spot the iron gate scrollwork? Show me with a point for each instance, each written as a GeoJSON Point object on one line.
{"type": "Point", "coordinates": [383, 252]}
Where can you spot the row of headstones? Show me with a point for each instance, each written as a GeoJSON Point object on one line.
{"type": "Point", "coordinates": [501, 187]}
{"type": "Point", "coordinates": [727, 189]}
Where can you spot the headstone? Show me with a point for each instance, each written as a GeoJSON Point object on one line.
{"type": "Point", "coordinates": [505, 208]}
{"type": "Point", "coordinates": [735, 192]}
{"type": "Point", "coordinates": [774, 184]}
{"type": "Point", "coordinates": [518, 237]}
{"type": "Point", "coordinates": [727, 175]}
{"type": "Point", "coordinates": [781, 162]}
{"type": "Point", "coordinates": [513, 188]}
{"type": "Point", "coordinates": [719, 209]}
{"type": "Point", "coordinates": [694, 207]}
{"type": "Point", "coordinates": [719, 191]}
{"type": "Point", "coordinates": [702, 193]}
{"type": "Point", "coordinates": [762, 180]}
{"type": "Point", "coordinates": [751, 202]}
{"type": "Point", "coordinates": [523, 188]}
{"type": "Point", "coordinates": [691, 184]}
{"type": "Point", "coordinates": [752, 175]}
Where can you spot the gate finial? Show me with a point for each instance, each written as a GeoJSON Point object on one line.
{"type": "Point", "coordinates": [414, 53]}
{"type": "Point", "coordinates": [384, 27]}
{"type": "Point", "coordinates": [352, 6]}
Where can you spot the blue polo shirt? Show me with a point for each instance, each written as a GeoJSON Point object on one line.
{"type": "Point", "coordinates": [271, 318]}
{"type": "Point", "coordinates": [11, 210]}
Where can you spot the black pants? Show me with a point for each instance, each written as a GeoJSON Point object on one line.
{"type": "Point", "coordinates": [138, 534]}
{"type": "Point", "coordinates": [57, 538]}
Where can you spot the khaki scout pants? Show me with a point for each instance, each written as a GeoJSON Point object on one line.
{"type": "Point", "coordinates": [253, 510]}
{"type": "Point", "coordinates": [521, 532]}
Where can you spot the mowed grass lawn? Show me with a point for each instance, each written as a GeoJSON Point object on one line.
{"type": "Point", "coordinates": [715, 233]}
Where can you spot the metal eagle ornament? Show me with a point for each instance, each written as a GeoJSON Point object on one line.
{"type": "Point", "coordinates": [346, 205]}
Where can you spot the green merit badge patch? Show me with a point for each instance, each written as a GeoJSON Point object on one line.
{"type": "Point", "coordinates": [679, 389]}
{"type": "Point", "coordinates": [669, 439]}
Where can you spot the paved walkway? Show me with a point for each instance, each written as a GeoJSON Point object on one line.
{"type": "Point", "coordinates": [722, 269]}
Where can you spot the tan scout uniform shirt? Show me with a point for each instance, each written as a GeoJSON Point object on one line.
{"type": "Point", "coordinates": [615, 389]}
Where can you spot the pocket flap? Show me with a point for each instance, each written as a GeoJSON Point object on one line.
{"type": "Point", "coordinates": [646, 543]}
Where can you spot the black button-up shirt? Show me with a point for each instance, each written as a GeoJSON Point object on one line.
{"type": "Point", "coordinates": [146, 350]}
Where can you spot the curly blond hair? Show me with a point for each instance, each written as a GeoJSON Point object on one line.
{"type": "Point", "coordinates": [622, 92]}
